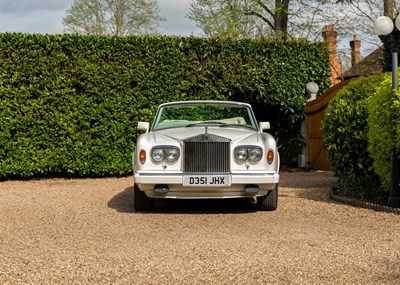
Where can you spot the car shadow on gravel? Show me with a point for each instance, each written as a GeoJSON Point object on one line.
{"type": "Point", "coordinates": [123, 203]}
{"type": "Point", "coordinates": [206, 206]}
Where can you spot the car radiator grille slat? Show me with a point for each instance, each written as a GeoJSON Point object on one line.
{"type": "Point", "coordinates": [203, 157]}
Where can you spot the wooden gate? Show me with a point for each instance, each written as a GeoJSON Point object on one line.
{"type": "Point", "coordinates": [315, 111]}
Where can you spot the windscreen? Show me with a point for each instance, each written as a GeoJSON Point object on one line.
{"type": "Point", "coordinates": [195, 114]}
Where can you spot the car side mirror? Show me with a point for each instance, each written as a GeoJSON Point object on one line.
{"type": "Point", "coordinates": [143, 126]}
{"type": "Point", "coordinates": [264, 126]}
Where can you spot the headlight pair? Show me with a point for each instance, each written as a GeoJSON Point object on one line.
{"type": "Point", "coordinates": [165, 154]}
{"type": "Point", "coordinates": [248, 153]}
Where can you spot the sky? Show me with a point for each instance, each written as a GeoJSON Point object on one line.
{"type": "Point", "coordinates": [45, 16]}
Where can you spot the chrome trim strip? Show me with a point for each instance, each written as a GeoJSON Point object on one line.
{"type": "Point", "coordinates": [206, 173]}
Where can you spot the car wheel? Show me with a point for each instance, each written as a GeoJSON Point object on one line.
{"type": "Point", "coordinates": [141, 202]}
{"type": "Point", "coordinates": [268, 202]}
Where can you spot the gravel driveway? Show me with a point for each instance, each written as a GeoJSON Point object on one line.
{"type": "Point", "coordinates": [86, 232]}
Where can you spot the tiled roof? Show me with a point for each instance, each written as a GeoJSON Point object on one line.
{"type": "Point", "coordinates": [371, 64]}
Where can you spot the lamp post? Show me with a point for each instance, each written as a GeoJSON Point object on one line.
{"type": "Point", "coordinates": [384, 26]}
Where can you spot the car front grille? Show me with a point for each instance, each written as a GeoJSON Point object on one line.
{"type": "Point", "coordinates": [207, 156]}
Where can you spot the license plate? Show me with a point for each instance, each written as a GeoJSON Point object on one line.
{"type": "Point", "coordinates": [207, 180]}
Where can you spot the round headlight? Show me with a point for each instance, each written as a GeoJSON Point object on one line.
{"type": "Point", "coordinates": [255, 154]}
{"type": "Point", "coordinates": [241, 154]}
{"type": "Point", "coordinates": [158, 154]}
{"type": "Point", "coordinates": [171, 154]}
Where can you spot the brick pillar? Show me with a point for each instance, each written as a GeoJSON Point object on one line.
{"type": "Point", "coordinates": [329, 34]}
{"type": "Point", "coordinates": [355, 45]}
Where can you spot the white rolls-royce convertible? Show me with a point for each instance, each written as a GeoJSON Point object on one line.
{"type": "Point", "coordinates": [205, 150]}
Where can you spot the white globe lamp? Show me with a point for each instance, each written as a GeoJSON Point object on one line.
{"type": "Point", "coordinates": [383, 26]}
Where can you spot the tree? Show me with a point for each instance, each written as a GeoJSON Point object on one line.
{"type": "Point", "coordinates": [241, 18]}
{"type": "Point", "coordinates": [279, 16]}
{"type": "Point", "coordinates": [226, 19]}
{"type": "Point", "coordinates": [113, 17]}
{"type": "Point", "coordinates": [388, 8]}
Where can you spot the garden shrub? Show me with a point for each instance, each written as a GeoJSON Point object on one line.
{"type": "Point", "coordinates": [346, 132]}
{"type": "Point", "coordinates": [382, 124]}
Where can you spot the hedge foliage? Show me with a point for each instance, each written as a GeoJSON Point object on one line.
{"type": "Point", "coordinates": [69, 104]}
{"type": "Point", "coordinates": [362, 127]}
{"type": "Point", "coordinates": [383, 122]}
{"type": "Point", "coordinates": [346, 129]}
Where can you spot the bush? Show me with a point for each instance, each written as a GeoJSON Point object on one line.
{"type": "Point", "coordinates": [346, 135]}
{"type": "Point", "coordinates": [70, 104]}
{"type": "Point", "coordinates": [382, 124]}
{"type": "Point", "coordinates": [346, 128]}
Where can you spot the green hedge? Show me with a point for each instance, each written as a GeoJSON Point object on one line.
{"type": "Point", "coordinates": [69, 104]}
{"type": "Point", "coordinates": [381, 124]}
{"type": "Point", "coordinates": [358, 131]}
{"type": "Point", "coordinates": [346, 129]}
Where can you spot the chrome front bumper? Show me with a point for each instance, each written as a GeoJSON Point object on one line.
{"type": "Point", "coordinates": [239, 182]}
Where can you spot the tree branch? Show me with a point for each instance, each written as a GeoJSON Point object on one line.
{"type": "Point", "coordinates": [269, 11]}
{"type": "Point", "coordinates": [253, 13]}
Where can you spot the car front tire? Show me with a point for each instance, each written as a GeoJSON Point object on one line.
{"type": "Point", "coordinates": [141, 202]}
{"type": "Point", "coordinates": [268, 202]}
